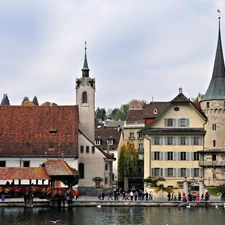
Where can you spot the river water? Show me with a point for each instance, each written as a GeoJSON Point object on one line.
{"type": "Point", "coordinates": [113, 216]}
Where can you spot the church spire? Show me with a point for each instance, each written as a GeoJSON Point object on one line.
{"type": "Point", "coordinates": [216, 89]}
{"type": "Point", "coordinates": [85, 70]}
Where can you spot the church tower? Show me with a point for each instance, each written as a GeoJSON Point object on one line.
{"type": "Point", "coordinates": [85, 99]}
{"type": "Point", "coordinates": [213, 106]}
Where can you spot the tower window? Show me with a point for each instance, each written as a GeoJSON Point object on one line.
{"type": "Point", "coordinates": [213, 126]}
{"type": "Point", "coordinates": [207, 104]}
{"type": "Point", "coordinates": [214, 143]}
{"type": "Point", "coordinates": [223, 104]}
{"type": "Point", "coordinates": [84, 97]}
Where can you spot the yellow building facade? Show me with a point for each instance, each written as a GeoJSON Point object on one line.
{"type": "Point", "coordinates": [172, 142]}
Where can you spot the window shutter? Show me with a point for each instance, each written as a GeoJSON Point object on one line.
{"type": "Point", "coordinates": [178, 140]}
{"type": "Point", "coordinates": [160, 140]}
{"type": "Point", "coordinates": [179, 172]}
{"type": "Point", "coordinates": [166, 172]}
{"type": "Point", "coordinates": [192, 156]}
{"type": "Point", "coordinates": [178, 122]}
{"type": "Point", "coordinates": [192, 140]}
{"type": "Point", "coordinates": [200, 140]}
{"type": "Point", "coordinates": [174, 122]}
{"type": "Point", "coordinates": [187, 140]}
{"type": "Point", "coordinates": [174, 172]}
{"type": "Point", "coordinates": [161, 155]}
{"type": "Point", "coordinates": [165, 122]}
{"type": "Point", "coordinates": [179, 155]}
{"type": "Point", "coordinates": [192, 172]}
{"type": "Point", "coordinates": [187, 156]}
{"type": "Point", "coordinates": [174, 140]}
{"type": "Point", "coordinates": [165, 141]}
{"type": "Point", "coordinates": [187, 172]}
{"type": "Point", "coordinates": [174, 156]}
{"type": "Point", "coordinates": [161, 172]}
{"type": "Point", "coordinates": [166, 156]}
{"type": "Point", "coordinates": [152, 156]}
{"type": "Point", "coordinates": [187, 122]}
{"type": "Point", "coordinates": [153, 172]}
{"type": "Point", "coordinates": [201, 172]}
{"type": "Point", "coordinates": [153, 140]}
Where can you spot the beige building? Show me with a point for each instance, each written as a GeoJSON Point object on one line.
{"type": "Point", "coordinates": [134, 122]}
{"type": "Point", "coordinates": [172, 141]}
{"type": "Point", "coordinates": [95, 165]}
{"type": "Point", "coordinates": [213, 106]}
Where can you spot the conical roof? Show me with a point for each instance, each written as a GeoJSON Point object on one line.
{"type": "Point", "coordinates": [85, 70]}
{"type": "Point", "coordinates": [216, 89]}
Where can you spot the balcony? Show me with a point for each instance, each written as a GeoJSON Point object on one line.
{"type": "Point", "coordinates": [211, 163]}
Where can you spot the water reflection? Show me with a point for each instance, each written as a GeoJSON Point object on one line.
{"type": "Point", "coordinates": [113, 216]}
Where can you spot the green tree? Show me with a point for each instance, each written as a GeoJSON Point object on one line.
{"type": "Point", "coordinates": [35, 101]}
{"type": "Point", "coordinates": [72, 181]}
{"type": "Point", "coordinates": [49, 104]}
{"type": "Point", "coordinates": [120, 114]}
{"type": "Point", "coordinates": [25, 100]}
{"type": "Point", "coordinates": [100, 113]}
{"type": "Point", "coordinates": [128, 161]}
{"type": "Point", "coordinates": [5, 100]}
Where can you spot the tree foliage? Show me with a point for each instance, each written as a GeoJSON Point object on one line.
{"type": "Point", "coordinates": [35, 101]}
{"type": "Point", "coordinates": [49, 104]}
{"type": "Point", "coordinates": [128, 160]}
{"type": "Point", "coordinates": [25, 100]}
{"type": "Point", "coordinates": [122, 112]}
{"type": "Point", "coordinates": [100, 113]}
{"type": "Point", "coordinates": [72, 181]}
{"type": "Point", "coordinates": [5, 100]}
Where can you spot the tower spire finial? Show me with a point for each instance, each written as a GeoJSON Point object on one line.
{"type": "Point", "coordinates": [218, 10]}
{"type": "Point", "coordinates": [85, 69]}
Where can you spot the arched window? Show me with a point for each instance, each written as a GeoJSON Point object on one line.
{"type": "Point", "coordinates": [81, 170]}
{"type": "Point", "coordinates": [207, 104]}
{"type": "Point", "coordinates": [84, 97]}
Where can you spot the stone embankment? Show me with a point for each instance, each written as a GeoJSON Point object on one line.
{"type": "Point", "coordinates": [91, 201]}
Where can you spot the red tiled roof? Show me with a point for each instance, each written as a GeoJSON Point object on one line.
{"type": "Point", "coordinates": [58, 168]}
{"type": "Point", "coordinates": [23, 173]}
{"type": "Point", "coordinates": [36, 130]}
{"type": "Point", "coordinates": [135, 105]}
{"type": "Point", "coordinates": [105, 133]}
{"type": "Point", "coordinates": [135, 115]}
{"type": "Point", "coordinates": [153, 107]}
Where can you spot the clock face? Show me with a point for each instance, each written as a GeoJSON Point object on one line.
{"type": "Point", "coordinates": [176, 109]}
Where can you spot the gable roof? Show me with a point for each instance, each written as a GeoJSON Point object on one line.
{"type": "Point", "coordinates": [39, 130]}
{"type": "Point", "coordinates": [23, 173]}
{"type": "Point", "coordinates": [149, 110]}
{"type": "Point", "coordinates": [179, 99]}
{"type": "Point", "coordinates": [58, 168]}
{"type": "Point", "coordinates": [105, 133]}
{"type": "Point", "coordinates": [135, 105]}
{"type": "Point", "coordinates": [135, 115]}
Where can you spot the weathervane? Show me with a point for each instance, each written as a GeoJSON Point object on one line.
{"type": "Point", "coordinates": [218, 13]}
{"type": "Point", "coordinates": [85, 45]}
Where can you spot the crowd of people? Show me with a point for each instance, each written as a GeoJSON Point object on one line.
{"type": "Point", "coordinates": [190, 197]}
{"type": "Point", "coordinates": [135, 195]}
{"type": "Point", "coordinates": [121, 194]}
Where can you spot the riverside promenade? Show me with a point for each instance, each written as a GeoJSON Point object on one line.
{"type": "Point", "coordinates": [93, 201]}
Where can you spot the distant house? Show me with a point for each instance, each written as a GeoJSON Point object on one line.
{"type": "Point", "coordinates": [109, 139]}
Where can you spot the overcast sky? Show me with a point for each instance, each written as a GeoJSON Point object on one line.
{"type": "Point", "coordinates": [136, 49]}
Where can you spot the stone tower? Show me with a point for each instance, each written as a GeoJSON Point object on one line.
{"type": "Point", "coordinates": [85, 99]}
{"type": "Point", "coordinates": [213, 106]}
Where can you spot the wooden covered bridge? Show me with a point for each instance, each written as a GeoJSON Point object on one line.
{"type": "Point", "coordinates": [40, 182]}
